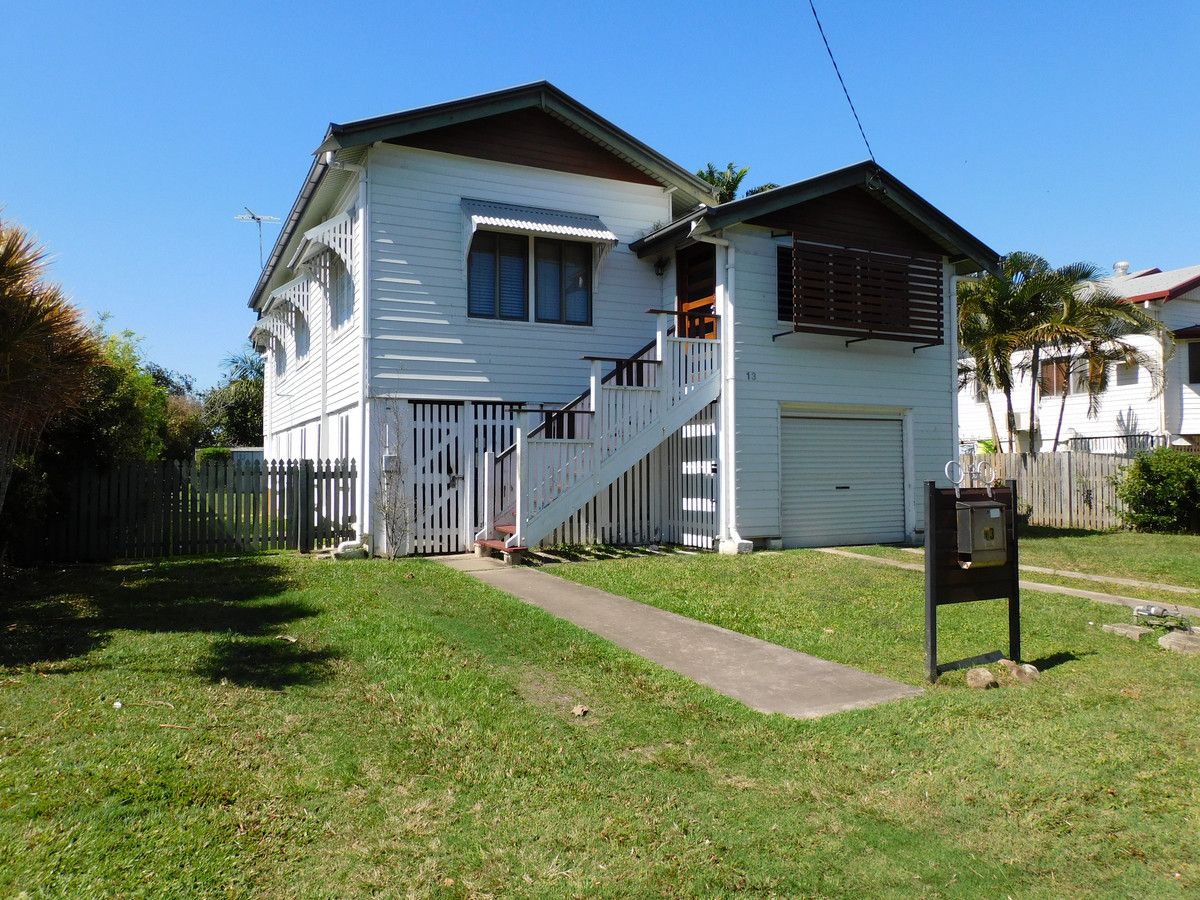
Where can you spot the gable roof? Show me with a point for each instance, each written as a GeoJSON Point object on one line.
{"type": "Point", "coordinates": [970, 253]}
{"type": "Point", "coordinates": [348, 142]}
{"type": "Point", "coordinates": [541, 95]}
{"type": "Point", "coordinates": [1155, 284]}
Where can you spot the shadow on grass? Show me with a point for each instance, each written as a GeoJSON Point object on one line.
{"type": "Point", "coordinates": [1048, 531]}
{"type": "Point", "coordinates": [1058, 659]}
{"type": "Point", "coordinates": [265, 662]}
{"type": "Point", "coordinates": [53, 615]}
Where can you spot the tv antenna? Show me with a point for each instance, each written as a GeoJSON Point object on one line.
{"type": "Point", "coordinates": [251, 216]}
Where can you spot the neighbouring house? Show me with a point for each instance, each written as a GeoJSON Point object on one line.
{"type": "Point", "coordinates": [528, 327]}
{"type": "Point", "coordinates": [1140, 408]}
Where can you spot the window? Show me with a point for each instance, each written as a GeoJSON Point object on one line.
{"type": "Point", "coordinates": [280, 355]}
{"type": "Point", "coordinates": [1194, 362]}
{"type": "Point", "coordinates": [498, 279]}
{"type": "Point", "coordinates": [341, 292]}
{"type": "Point", "coordinates": [498, 276]}
{"type": "Point", "coordinates": [1127, 374]}
{"type": "Point", "coordinates": [301, 335]}
{"type": "Point", "coordinates": [1055, 377]}
{"type": "Point", "coordinates": [563, 282]}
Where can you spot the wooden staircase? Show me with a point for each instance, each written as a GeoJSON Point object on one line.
{"type": "Point", "coordinates": [558, 464]}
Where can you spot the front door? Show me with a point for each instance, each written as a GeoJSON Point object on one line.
{"type": "Point", "coordinates": [696, 290]}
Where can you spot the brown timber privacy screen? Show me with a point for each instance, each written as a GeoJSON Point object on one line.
{"type": "Point", "coordinates": [140, 510]}
{"type": "Point", "coordinates": [866, 294]}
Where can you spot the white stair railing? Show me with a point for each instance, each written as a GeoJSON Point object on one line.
{"type": "Point", "coordinates": [550, 471]}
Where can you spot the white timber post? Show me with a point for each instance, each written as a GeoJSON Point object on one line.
{"type": "Point", "coordinates": [521, 469]}
{"type": "Point", "coordinates": [489, 514]}
{"type": "Point", "coordinates": [596, 386]}
{"type": "Point", "coordinates": [666, 373]}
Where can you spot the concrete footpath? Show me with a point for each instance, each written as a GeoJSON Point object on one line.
{"type": "Point", "coordinates": [764, 676]}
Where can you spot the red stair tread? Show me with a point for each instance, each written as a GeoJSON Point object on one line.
{"type": "Point", "coordinates": [506, 529]}
{"type": "Point", "coordinates": [499, 545]}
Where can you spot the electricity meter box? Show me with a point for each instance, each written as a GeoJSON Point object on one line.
{"type": "Point", "coordinates": [982, 533]}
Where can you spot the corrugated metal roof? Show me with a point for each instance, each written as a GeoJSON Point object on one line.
{"type": "Point", "coordinates": [531, 218]}
{"type": "Point", "coordinates": [1155, 286]}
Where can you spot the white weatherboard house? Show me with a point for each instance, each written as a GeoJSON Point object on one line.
{"type": "Point", "coordinates": [527, 327]}
{"type": "Point", "coordinates": [1137, 410]}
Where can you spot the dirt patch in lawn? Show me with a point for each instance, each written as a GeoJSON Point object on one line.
{"type": "Point", "coordinates": [543, 689]}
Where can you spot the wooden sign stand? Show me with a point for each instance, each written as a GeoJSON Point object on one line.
{"type": "Point", "coordinates": [946, 581]}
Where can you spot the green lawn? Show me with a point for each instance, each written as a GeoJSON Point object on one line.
{"type": "Point", "coordinates": [1172, 559]}
{"type": "Point", "coordinates": [1165, 558]}
{"type": "Point", "coordinates": [417, 737]}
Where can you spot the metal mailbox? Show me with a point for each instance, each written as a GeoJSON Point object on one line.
{"type": "Point", "coordinates": [982, 533]}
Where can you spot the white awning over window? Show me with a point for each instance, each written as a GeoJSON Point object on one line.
{"type": "Point", "coordinates": [510, 217]}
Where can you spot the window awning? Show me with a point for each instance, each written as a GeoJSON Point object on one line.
{"type": "Point", "coordinates": [488, 214]}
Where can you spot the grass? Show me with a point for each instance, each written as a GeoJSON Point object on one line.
{"type": "Point", "coordinates": [417, 737]}
{"type": "Point", "coordinates": [1165, 558]}
{"type": "Point", "coordinates": [1172, 559]}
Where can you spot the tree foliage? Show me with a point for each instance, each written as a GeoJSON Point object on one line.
{"type": "Point", "coordinates": [47, 354]}
{"type": "Point", "coordinates": [233, 409]}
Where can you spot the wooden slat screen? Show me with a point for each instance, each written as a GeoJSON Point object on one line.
{"type": "Point", "coordinates": [865, 294]}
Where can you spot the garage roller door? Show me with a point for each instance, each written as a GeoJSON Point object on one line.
{"type": "Point", "coordinates": [843, 481]}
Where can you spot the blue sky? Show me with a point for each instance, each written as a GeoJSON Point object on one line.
{"type": "Point", "coordinates": [133, 133]}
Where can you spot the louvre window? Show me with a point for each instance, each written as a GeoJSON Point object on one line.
{"type": "Point", "coordinates": [1194, 362]}
{"type": "Point", "coordinates": [302, 336]}
{"type": "Point", "coordinates": [498, 276]}
{"type": "Point", "coordinates": [1055, 377]}
{"type": "Point", "coordinates": [498, 279]}
{"type": "Point", "coordinates": [563, 282]}
{"type": "Point", "coordinates": [341, 292]}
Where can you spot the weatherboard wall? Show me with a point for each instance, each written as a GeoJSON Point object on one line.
{"type": "Point", "coordinates": [423, 344]}
{"type": "Point", "coordinates": [820, 375]}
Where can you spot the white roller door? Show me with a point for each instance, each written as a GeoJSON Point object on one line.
{"type": "Point", "coordinates": [843, 481]}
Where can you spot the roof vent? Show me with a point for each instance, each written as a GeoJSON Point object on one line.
{"type": "Point", "coordinates": [1121, 268]}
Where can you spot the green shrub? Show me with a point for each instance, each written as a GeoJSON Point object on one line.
{"type": "Point", "coordinates": [213, 454]}
{"type": "Point", "coordinates": [1161, 491]}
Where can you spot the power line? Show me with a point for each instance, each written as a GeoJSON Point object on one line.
{"type": "Point", "coordinates": [841, 81]}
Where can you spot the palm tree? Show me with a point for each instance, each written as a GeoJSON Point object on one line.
{"type": "Point", "coordinates": [46, 350]}
{"type": "Point", "coordinates": [1090, 329]}
{"type": "Point", "coordinates": [726, 181]}
{"type": "Point", "coordinates": [245, 364]}
{"type": "Point", "coordinates": [1032, 307]}
{"type": "Point", "coordinates": [997, 313]}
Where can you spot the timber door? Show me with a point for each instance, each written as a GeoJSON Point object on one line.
{"type": "Point", "coordinates": [696, 290]}
{"type": "Point", "coordinates": [438, 459]}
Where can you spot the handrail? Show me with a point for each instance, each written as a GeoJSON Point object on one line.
{"type": "Point", "coordinates": [586, 395]}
